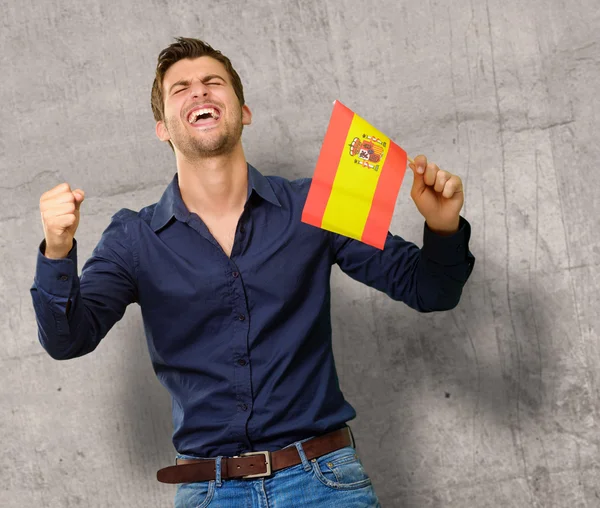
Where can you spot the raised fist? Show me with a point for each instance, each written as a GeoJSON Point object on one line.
{"type": "Point", "coordinates": [60, 217]}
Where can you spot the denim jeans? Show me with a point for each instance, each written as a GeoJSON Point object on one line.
{"type": "Point", "coordinates": [333, 480]}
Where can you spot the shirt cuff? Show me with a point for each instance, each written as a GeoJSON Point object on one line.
{"type": "Point", "coordinates": [56, 276]}
{"type": "Point", "coordinates": [447, 250]}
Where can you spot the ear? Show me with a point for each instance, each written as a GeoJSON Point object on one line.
{"type": "Point", "coordinates": [246, 115]}
{"type": "Point", "coordinates": [161, 131]}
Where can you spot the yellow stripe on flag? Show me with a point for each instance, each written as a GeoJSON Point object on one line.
{"type": "Point", "coordinates": [354, 185]}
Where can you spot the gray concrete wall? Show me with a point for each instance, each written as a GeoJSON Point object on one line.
{"type": "Point", "coordinates": [492, 404]}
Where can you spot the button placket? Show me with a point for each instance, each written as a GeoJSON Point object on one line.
{"type": "Point", "coordinates": [240, 316]}
{"type": "Point", "coordinates": [240, 361]}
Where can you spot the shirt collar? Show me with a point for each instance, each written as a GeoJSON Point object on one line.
{"type": "Point", "coordinates": [171, 204]}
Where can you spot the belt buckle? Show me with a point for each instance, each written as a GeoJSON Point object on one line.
{"type": "Point", "coordinates": [267, 456]}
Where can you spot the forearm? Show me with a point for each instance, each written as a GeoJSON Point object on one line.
{"type": "Point", "coordinates": [57, 302]}
{"type": "Point", "coordinates": [75, 313]}
{"type": "Point", "coordinates": [444, 266]}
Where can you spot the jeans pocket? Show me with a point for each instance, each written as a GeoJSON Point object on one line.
{"type": "Point", "coordinates": [195, 494]}
{"type": "Point", "coordinates": [341, 469]}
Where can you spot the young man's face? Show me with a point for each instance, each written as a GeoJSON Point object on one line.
{"type": "Point", "coordinates": [201, 82]}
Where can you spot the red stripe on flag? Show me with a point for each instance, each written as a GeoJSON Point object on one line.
{"type": "Point", "coordinates": [384, 199]}
{"type": "Point", "coordinates": [327, 164]}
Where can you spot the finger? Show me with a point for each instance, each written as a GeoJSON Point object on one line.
{"type": "Point", "coordinates": [57, 202]}
{"type": "Point", "coordinates": [59, 209]}
{"type": "Point", "coordinates": [418, 183]}
{"type": "Point", "coordinates": [65, 197]}
{"type": "Point", "coordinates": [420, 163]}
{"type": "Point", "coordinates": [59, 189]}
{"type": "Point", "coordinates": [441, 178]}
{"type": "Point", "coordinates": [430, 173]}
{"type": "Point", "coordinates": [452, 187]}
{"type": "Point", "coordinates": [61, 222]}
{"type": "Point", "coordinates": [79, 197]}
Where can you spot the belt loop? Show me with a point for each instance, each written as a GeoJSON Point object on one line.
{"type": "Point", "coordinates": [352, 438]}
{"type": "Point", "coordinates": [303, 458]}
{"type": "Point", "coordinates": [218, 470]}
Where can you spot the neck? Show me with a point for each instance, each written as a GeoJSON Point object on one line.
{"type": "Point", "coordinates": [216, 186]}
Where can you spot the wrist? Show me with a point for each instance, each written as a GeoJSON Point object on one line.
{"type": "Point", "coordinates": [57, 252]}
{"type": "Point", "coordinates": [444, 229]}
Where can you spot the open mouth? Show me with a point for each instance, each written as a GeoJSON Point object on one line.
{"type": "Point", "coordinates": [204, 116]}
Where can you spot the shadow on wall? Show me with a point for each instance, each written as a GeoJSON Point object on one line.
{"type": "Point", "coordinates": [145, 439]}
{"type": "Point", "coordinates": [453, 400]}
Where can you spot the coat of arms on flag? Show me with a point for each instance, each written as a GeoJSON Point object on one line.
{"type": "Point", "coordinates": [356, 181]}
{"type": "Point", "coordinates": [370, 149]}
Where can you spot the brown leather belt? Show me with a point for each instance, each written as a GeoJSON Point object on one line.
{"type": "Point", "coordinates": [254, 464]}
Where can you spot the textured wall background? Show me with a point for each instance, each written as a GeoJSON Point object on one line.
{"type": "Point", "coordinates": [492, 404]}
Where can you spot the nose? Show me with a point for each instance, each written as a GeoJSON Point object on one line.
{"type": "Point", "coordinates": [198, 88]}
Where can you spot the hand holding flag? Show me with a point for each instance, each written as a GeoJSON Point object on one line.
{"type": "Point", "coordinates": [438, 195]}
{"type": "Point", "coordinates": [357, 180]}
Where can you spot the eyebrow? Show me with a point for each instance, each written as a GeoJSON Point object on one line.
{"type": "Point", "coordinates": [187, 82]}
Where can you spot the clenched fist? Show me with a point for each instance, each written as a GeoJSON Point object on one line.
{"type": "Point", "coordinates": [60, 217]}
{"type": "Point", "coordinates": [438, 195]}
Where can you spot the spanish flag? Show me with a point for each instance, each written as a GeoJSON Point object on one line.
{"type": "Point", "coordinates": [356, 181]}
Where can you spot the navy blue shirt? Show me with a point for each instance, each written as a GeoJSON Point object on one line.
{"type": "Point", "coordinates": [242, 343]}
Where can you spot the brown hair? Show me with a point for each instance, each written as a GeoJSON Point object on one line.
{"type": "Point", "coordinates": [186, 47]}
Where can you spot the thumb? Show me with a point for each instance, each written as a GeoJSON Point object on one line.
{"type": "Point", "coordinates": [418, 181]}
{"type": "Point", "coordinates": [79, 197]}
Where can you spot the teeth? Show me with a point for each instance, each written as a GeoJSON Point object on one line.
{"type": "Point", "coordinates": [195, 114]}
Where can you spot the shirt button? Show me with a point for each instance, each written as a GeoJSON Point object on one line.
{"type": "Point", "coordinates": [241, 317]}
{"type": "Point", "coordinates": [242, 362]}
{"type": "Point", "coordinates": [64, 277]}
{"type": "Point", "coordinates": [236, 274]}
{"type": "Point", "coordinates": [243, 407]}
{"type": "Point", "coordinates": [242, 230]}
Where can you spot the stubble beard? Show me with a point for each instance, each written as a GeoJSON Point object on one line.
{"type": "Point", "coordinates": [204, 144]}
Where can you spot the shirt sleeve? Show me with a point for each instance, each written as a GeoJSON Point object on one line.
{"type": "Point", "coordinates": [427, 279]}
{"type": "Point", "coordinates": [75, 313]}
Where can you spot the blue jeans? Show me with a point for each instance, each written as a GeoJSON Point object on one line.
{"type": "Point", "coordinates": [332, 481]}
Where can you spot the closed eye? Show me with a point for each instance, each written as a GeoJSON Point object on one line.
{"type": "Point", "coordinates": [211, 83]}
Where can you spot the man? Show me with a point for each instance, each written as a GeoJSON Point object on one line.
{"type": "Point", "coordinates": [235, 296]}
